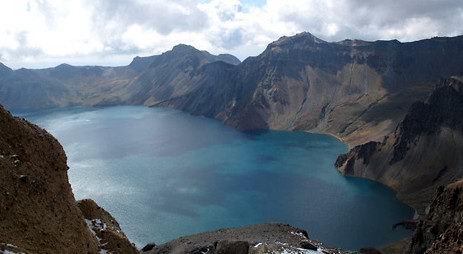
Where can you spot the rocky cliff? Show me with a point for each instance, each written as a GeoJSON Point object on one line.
{"type": "Point", "coordinates": [424, 152]}
{"type": "Point", "coordinates": [441, 230]}
{"type": "Point", "coordinates": [38, 212]}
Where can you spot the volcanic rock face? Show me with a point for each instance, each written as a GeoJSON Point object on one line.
{"type": "Point", "coordinates": [38, 212]}
{"type": "Point", "coordinates": [441, 230]}
{"type": "Point", "coordinates": [423, 153]}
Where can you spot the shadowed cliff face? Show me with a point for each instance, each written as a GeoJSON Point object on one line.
{"type": "Point", "coordinates": [441, 230]}
{"type": "Point", "coordinates": [424, 151]}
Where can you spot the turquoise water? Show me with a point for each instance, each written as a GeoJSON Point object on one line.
{"type": "Point", "coordinates": [163, 174]}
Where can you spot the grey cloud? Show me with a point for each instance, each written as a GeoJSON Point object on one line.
{"type": "Point", "coordinates": [22, 51]}
{"type": "Point", "coordinates": [356, 19]}
{"type": "Point", "coordinates": [230, 39]}
{"type": "Point", "coordinates": [162, 16]}
{"type": "Point", "coordinates": [370, 19]}
{"type": "Point", "coordinates": [391, 13]}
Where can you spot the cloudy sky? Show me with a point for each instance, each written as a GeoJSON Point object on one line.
{"type": "Point", "coordinates": [41, 33]}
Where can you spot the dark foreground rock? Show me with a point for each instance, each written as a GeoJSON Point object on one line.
{"type": "Point", "coordinates": [441, 230]}
{"type": "Point", "coordinates": [262, 238]}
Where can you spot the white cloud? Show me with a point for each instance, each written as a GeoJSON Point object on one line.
{"type": "Point", "coordinates": [111, 32]}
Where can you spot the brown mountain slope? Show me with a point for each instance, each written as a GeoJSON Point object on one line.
{"type": "Point", "coordinates": [424, 152]}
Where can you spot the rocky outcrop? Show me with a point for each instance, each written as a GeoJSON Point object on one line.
{"type": "Point", "coordinates": [38, 212]}
{"type": "Point", "coordinates": [423, 152]}
{"type": "Point", "coordinates": [441, 230]}
{"type": "Point", "coordinates": [105, 227]}
{"type": "Point", "coordinates": [262, 238]}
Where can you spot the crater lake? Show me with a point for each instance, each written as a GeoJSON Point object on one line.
{"type": "Point", "coordinates": [164, 174]}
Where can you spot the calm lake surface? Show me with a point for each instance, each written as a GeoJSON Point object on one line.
{"type": "Point", "coordinates": [163, 174]}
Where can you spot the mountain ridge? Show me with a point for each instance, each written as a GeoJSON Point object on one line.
{"type": "Point", "coordinates": [356, 90]}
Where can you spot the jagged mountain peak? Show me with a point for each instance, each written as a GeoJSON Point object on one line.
{"type": "Point", "coordinates": [300, 38]}
{"type": "Point", "coordinates": [183, 52]}
{"type": "Point", "coordinates": [64, 66]}
{"type": "Point", "coordinates": [140, 63]}
{"type": "Point", "coordinates": [228, 58]}
{"type": "Point", "coordinates": [184, 48]}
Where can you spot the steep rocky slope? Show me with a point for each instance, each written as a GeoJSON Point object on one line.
{"type": "Point", "coordinates": [38, 212]}
{"type": "Point", "coordinates": [424, 152]}
{"type": "Point", "coordinates": [441, 231]}
{"type": "Point", "coordinates": [109, 234]}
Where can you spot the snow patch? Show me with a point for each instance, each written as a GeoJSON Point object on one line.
{"type": "Point", "coordinates": [97, 224]}
{"type": "Point", "coordinates": [299, 251]}
{"type": "Point", "coordinates": [298, 234]}
{"type": "Point", "coordinates": [10, 246]}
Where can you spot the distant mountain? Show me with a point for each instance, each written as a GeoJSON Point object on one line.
{"type": "Point", "coordinates": [67, 85]}
{"type": "Point", "coordinates": [423, 153]}
{"type": "Point", "coordinates": [4, 70]}
{"type": "Point", "coordinates": [356, 90]}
